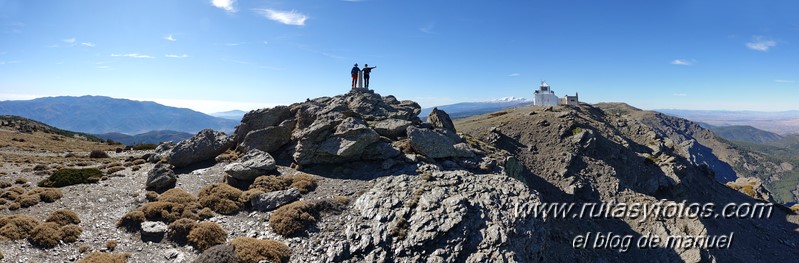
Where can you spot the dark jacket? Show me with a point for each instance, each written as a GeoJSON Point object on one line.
{"type": "Point", "coordinates": [367, 70]}
{"type": "Point", "coordinates": [354, 70]}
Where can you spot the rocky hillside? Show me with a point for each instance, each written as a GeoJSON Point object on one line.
{"type": "Point", "coordinates": [360, 178]}
{"type": "Point", "coordinates": [616, 153]}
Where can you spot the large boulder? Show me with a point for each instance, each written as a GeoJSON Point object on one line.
{"type": "Point", "coordinates": [440, 119]}
{"type": "Point", "coordinates": [347, 143]}
{"type": "Point", "coordinates": [451, 216]}
{"type": "Point", "coordinates": [268, 139]}
{"type": "Point", "coordinates": [161, 178]}
{"type": "Point", "coordinates": [261, 118]}
{"type": "Point", "coordinates": [206, 145]}
{"type": "Point", "coordinates": [437, 143]}
{"type": "Point", "coordinates": [161, 152]}
{"type": "Point", "coordinates": [253, 164]}
{"type": "Point", "coordinates": [392, 128]}
{"type": "Point", "coordinates": [275, 199]}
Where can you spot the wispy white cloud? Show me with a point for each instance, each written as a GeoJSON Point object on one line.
{"type": "Point", "coordinates": [760, 43]}
{"type": "Point", "coordinates": [233, 44]}
{"type": "Point", "coordinates": [679, 94]}
{"type": "Point", "coordinates": [132, 55]}
{"type": "Point", "coordinates": [103, 67]}
{"type": "Point", "coordinates": [293, 18]}
{"type": "Point", "coordinates": [783, 81]}
{"type": "Point", "coordinates": [9, 62]}
{"type": "Point", "coordinates": [227, 5]}
{"type": "Point", "coordinates": [69, 40]}
{"type": "Point", "coordinates": [428, 29]}
{"type": "Point", "coordinates": [682, 62]}
{"type": "Point", "coordinates": [514, 75]}
{"type": "Point", "coordinates": [176, 56]}
{"type": "Point", "coordinates": [170, 38]}
{"type": "Point", "coordinates": [87, 44]}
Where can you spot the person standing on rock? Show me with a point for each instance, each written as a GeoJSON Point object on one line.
{"type": "Point", "coordinates": [366, 71]}
{"type": "Point", "coordinates": [354, 73]}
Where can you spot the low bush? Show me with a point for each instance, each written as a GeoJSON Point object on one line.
{"type": "Point", "coordinates": [221, 198]}
{"type": "Point", "coordinates": [206, 234]}
{"type": "Point", "coordinates": [102, 257]}
{"type": "Point", "coordinates": [132, 220]}
{"type": "Point", "coordinates": [20, 180]}
{"type": "Point", "coordinates": [303, 182]}
{"type": "Point", "coordinates": [5, 183]}
{"type": "Point", "coordinates": [45, 235]}
{"type": "Point", "coordinates": [70, 233]}
{"type": "Point", "coordinates": [248, 195]}
{"type": "Point", "coordinates": [46, 194]}
{"type": "Point", "coordinates": [144, 146]}
{"type": "Point", "coordinates": [27, 200]}
{"type": "Point", "coordinates": [98, 154]}
{"type": "Point", "coordinates": [69, 176]}
{"type": "Point", "coordinates": [178, 231]}
{"type": "Point", "coordinates": [63, 217]}
{"type": "Point", "coordinates": [291, 219]}
{"type": "Point", "coordinates": [251, 250]}
{"type": "Point", "coordinates": [114, 169]}
{"type": "Point", "coordinates": [177, 195]}
{"type": "Point", "coordinates": [16, 227]}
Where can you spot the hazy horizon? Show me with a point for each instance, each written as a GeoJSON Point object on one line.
{"type": "Point", "coordinates": [214, 56]}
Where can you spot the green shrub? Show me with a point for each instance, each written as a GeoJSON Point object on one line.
{"type": "Point", "coordinates": [251, 250]}
{"type": "Point", "coordinates": [47, 195]}
{"type": "Point", "coordinates": [98, 154]}
{"type": "Point", "coordinates": [206, 234]}
{"type": "Point", "coordinates": [144, 146]}
{"type": "Point", "coordinates": [69, 176]}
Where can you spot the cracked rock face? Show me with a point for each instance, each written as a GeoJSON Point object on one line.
{"type": "Point", "coordinates": [451, 216]}
{"type": "Point", "coordinates": [206, 145]}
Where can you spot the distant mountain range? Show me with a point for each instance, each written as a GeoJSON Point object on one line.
{"type": "Point", "coordinates": [743, 133]}
{"type": "Point", "coordinates": [230, 115]}
{"type": "Point", "coordinates": [782, 122]}
{"type": "Point", "coordinates": [152, 137]}
{"type": "Point", "coordinates": [99, 115]}
{"type": "Point", "coordinates": [466, 109]}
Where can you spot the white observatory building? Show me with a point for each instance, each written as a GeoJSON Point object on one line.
{"type": "Point", "coordinates": [544, 96]}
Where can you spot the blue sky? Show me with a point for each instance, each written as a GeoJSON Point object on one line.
{"type": "Point", "coordinates": [222, 55]}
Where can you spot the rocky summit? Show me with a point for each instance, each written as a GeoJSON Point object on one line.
{"type": "Point", "coordinates": [360, 178]}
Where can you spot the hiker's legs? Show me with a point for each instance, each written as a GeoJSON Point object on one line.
{"type": "Point", "coordinates": [366, 80]}
{"type": "Point", "coordinates": [354, 79]}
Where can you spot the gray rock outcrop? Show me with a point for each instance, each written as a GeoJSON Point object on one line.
{"type": "Point", "coordinates": [203, 146]}
{"type": "Point", "coordinates": [253, 164]}
{"type": "Point", "coordinates": [161, 178]}
{"type": "Point", "coordinates": [275, 199]}
{"type": "Point", "coordinates": [440, 119]}
{"type": "Point", "coordinates": [443, 217]}
{"type": "Point", "coordinates": [437, 143]}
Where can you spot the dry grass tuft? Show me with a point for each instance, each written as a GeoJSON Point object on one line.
{"type": "Point", "coordinates": [16, 227]}
{"type": "Point", "coordinates": [63, 217]}
{"type": "Point", "coordinates": [111, 245]}
{"type": "Point", "coordinates": [102, 257]}
{"type": "Point", "coordinates": [291, 219]}
{"type": "Point", "coordinates": [206, 234]}
{"type": "Point", "coordinates": [70, 233]}
{"type": "Point", "coordinates": [305, 183]}
{"type": "Point", "coordinates": [221, 198]}
{"type": "Point", "coordinates": [47, 195]}
{"type": "Point", "coordinates": [178, 231]}
{"type": "Point", "coordinates": [45, 235]}
{"type": "Point", "coordinates": [248, 195]}
{"type": "Point", "coordinates": [251, 250]}
{"type": "Point", "coordinates": [98, 154]}
{"type": "Point", "coordinates": [176, 195]}
{"type": "Point", "coordinates": [132, 220]}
